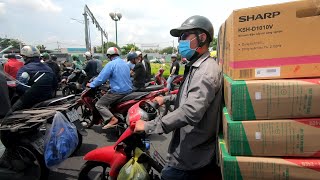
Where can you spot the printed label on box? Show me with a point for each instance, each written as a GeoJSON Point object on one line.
{"type": "Point", "coordinates": [268, 72]}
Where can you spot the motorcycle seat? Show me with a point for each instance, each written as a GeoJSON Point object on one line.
{"type": "Point", "coordinates": [132, 96]}
{"type": "Point", "coordinates": [53, 101]}
{"type": "Point", "coordinates": [151, 88]}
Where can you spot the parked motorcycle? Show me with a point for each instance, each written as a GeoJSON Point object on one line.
{"type": "Point", "coordinates": [111, 159]}
{"type": "Point", "coordinates": [91, 116]}
{"type": "Point", "coordinates": [23, 135]}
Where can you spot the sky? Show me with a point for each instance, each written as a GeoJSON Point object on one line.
{"type": "Point", "coordinates": [144, 22]}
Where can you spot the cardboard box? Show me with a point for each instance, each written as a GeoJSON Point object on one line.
{"type": "Point", "coordinates": [272, 99]}
{"type": "Point", "coordinates": [287, 137]}
{"type": "Point", "coordinates": [243, 167]}
{"type": "Point", "coordinates": [272, 42]}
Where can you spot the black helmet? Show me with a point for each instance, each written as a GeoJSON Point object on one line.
{"type": "Point", "coordinates": [194, 23]}
{"type": "Point", "coordinates": [54, 57]}
{"type": "Point", "coordinates": [11, 55]}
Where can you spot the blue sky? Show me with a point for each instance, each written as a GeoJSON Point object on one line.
{"type": "Point", "coordinates": [144, 21]}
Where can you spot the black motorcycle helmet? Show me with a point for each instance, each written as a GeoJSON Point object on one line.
{"type": "Point", "coordinates": [195, 23]}
{"type": "Point", "coordinates": [54, 57]}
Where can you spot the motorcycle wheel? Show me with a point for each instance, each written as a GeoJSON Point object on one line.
{"type": "Point", "coordinates": [27, 161]}
{"type": "Point", "coordinates": [80, 139]}
{"type": "Point", "coordinates": [86, 116]}
{"type": "Point", "coordinates": [94, 170]}
{"type": "Point", "coordinates": [66, 91]}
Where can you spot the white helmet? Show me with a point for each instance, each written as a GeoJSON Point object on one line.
{"type": "Point", "coordinates": [112, 51]}
{"type": "Point", "coordinates": [174, 56]}
{"type": "Point", "coordinates": [87, 54]}
{"type": "Point", "coordinates": [139, 53]}
{"type": "Point", "coordinates": [30, 51]}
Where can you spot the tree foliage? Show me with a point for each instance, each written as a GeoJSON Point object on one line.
{"type": "Point", "coordinates": [213, 43]}
{"type": "Point", "coordinates": [129, 47]}
{"type": "Point", "coordinates": [41, 47]}
{"type": "Point", "coordinates": [106, 46]}
{"type": "Point", "coordinates": [168, 50]}
{"type": "Point", "coordinates": [5, 42]}
{"type": "Point", "coordinates": [151, 50]}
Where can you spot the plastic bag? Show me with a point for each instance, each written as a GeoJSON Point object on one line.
{"type": "Point", "coordinates": [61, 141]}
{"type": "Point", "coordinates": [133, 170]}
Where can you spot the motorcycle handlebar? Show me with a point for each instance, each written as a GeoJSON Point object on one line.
{"type": "Point", "coordinates": [155, 104]}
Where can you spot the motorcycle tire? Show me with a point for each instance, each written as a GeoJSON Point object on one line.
{"type": "Point", "coordinates": [90, 165]}
{"type": "Point", "coordinates": [31, 157]}
{"type": "Point", "coordinates": [80, 139]}
{"type": "Point", "coordinates": [66, 91]}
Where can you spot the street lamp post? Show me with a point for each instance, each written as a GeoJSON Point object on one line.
{"type": "Point", "coordinates": [116, 17]}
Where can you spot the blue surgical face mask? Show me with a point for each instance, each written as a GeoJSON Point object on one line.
{"type": "Point", "coordinates": [185, 49]}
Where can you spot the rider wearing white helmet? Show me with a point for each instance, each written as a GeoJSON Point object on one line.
{"type": "Point", "coordinates": [146, 64]}
{"type": "Point", "coordinates": [90, 69]}
{"type": "Point", "coordinates": [118, 74]}
{"type": "Point", "coordinates": [38, 75]}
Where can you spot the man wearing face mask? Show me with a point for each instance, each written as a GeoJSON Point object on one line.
{"type": "Point", "coordinates": [195, 120]}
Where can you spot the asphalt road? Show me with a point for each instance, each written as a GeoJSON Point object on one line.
{"type": "Point", "coordinates": [70, 168]}
{"type": "Point", "coordinates": [96, 138]}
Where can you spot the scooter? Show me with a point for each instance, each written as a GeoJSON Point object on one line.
{"type": "Point", "coordinates": [111, 159]}
{"type": "Point", "coordinates": [23, 135]}
{"type": "Point", "coordinates": [73, 84]}
{"type": "Point", "coordinates": [120, 108]}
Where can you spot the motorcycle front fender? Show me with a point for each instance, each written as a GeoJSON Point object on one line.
{"type": "Point", "coordinates": [109, 155]}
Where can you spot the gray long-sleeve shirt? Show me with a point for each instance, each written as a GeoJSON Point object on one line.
{"type": "Point", "coordinates": [196, 121]}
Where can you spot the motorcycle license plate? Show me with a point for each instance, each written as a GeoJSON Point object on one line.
{"type": "Point", "coordinates": [39, 143]}
{"type": "Point", "coordinates": [73, 115]}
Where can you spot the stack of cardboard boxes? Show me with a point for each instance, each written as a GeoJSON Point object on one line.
{"type": "Point", "coordinates": [271, 123]}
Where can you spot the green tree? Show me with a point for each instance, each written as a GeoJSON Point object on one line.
{"type": "Point", "coordinates": [5, 42]}
{"type": "Point", "coordinates": [129, 47]}
{"type": "Point", "coordinates": [150, 50]}
{"type": "Point", "coordinates": [168, 50]}
{"type": "Point", "coordinates": [41, 47]}
{"type": "Point", "coordinates": [106, 46]}
{"type": "Point", "coordinates": [213, 43]}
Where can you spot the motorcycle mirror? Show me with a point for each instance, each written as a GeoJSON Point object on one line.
{"type": "Point", "coordinates": [83, 72]}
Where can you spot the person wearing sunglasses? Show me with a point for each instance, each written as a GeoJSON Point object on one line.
{"type": "Point", "coordinates": [195, 120]}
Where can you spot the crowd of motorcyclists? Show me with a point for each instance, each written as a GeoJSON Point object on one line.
{"type": "Point", "coordinates": [195, 120]}
{"type": "Point", "coordinates": [39, 77]}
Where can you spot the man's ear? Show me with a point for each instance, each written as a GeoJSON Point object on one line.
{"type": "Point", "coordinates": [202, 38]}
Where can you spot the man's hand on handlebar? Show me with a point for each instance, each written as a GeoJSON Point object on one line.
{"type": "Point", "coordinates": [88, 85]}
{"type": "Point", "coordinates": [159, 100]}
{"type": "Point", "coordinates": [139, 128]}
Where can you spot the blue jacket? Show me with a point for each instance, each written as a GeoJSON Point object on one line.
{"type": "Point", "coordinates": [118, 73]}
{"type": "Point", "coordinates": [32, 67]}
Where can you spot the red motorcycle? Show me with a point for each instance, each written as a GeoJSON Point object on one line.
{"type": "Point", "coordinates": [160, 80]}
{"type": "Point", "coordinates": [91, 116]}
{"type": "Point", "coordinates": [111, 159]}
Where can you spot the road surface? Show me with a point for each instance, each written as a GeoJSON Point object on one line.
{"type": "Point", "coordinates": [70, 168]}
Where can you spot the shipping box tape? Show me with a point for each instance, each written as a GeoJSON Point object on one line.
{"type": "Point", "coordinates": [257, 168]}
{"type": "Point", "coordinates": [272, 99]}
{"type": "Point", "coordinates": [272, 42]}
{"type": "Point", "coordinates": [286, 137]}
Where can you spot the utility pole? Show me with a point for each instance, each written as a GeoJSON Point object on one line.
{"type": "Point", "coordinates": [58, 45]}
{"type": "Point", "coordinates": [86, 13]}
{"type": "Point", "coordinates": [86, 30]}
{"type": "Point", "coordinates": [172, 46]}
{"type": "Point", "coordinates": [102, 48]}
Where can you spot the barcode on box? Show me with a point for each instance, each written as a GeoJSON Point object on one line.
{"type": "Point", "coordinates": [271, 70]}
{"type": "Point", "coordinates": [246, 73]}
{"type": "Point", "coordinates": [268, 72]}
